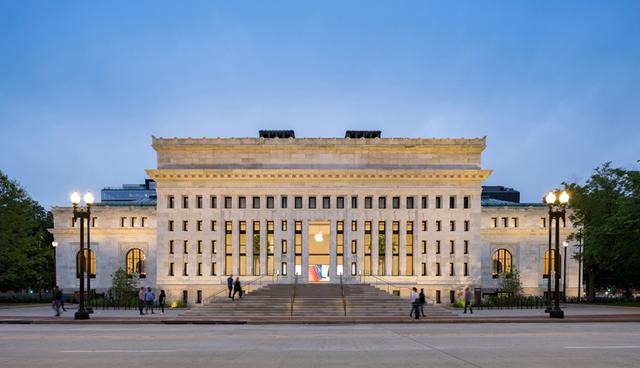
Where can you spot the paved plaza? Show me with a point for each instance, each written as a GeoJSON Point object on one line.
{"type": "Point", "coordinates": [371, 345]}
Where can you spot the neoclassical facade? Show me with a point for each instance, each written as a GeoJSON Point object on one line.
{"type": "Point", "coordinates": [394, 212]}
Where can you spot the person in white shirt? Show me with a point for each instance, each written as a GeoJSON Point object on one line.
{"type": "Point", "coordinates": [414, 304]}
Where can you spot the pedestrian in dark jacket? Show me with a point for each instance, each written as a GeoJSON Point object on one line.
{"type": "Point", "coordinates": [237, 288]}
{"type": "Point", "coordinates": [161, 300]}
{"type": "Point", "coordinates": [467, 301]}
{"type": "Point", "coordinates": [422, 300]}
{"type": "Point", "coordinates": [230, 284]}
{"type": "Point", "coordinates": [57, 295]}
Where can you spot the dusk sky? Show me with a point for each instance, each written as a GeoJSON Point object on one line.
{"type": "Point", "coordinates": [85, 84]}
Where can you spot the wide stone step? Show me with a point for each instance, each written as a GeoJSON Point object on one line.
{"type": "Point", "coordinates": [313, 300]}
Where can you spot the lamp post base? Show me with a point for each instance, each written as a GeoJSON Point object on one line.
{"type": "Point", "coordinates": [556, 313]}
{"type": "Point", "coordinates": [81, 315]}
{"type": "Point", "coordinates": [90, 310]}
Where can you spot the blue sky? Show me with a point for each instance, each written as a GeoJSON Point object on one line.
{"type": "Point", "coordinates": [84, 84]}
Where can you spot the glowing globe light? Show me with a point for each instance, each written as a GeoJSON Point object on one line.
{"type": "Point", "coordinates": [550, 198]}
{"type": "Point", "coordinates": [75, 197]}
{"type": "Point", "coordinates": [88, 198]}
{"type": "Point", "coordinates": [318, 237]}
{"type": "Point", "coordinates": [564, 197]}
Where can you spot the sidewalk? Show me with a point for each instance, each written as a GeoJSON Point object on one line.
{"type": "Point", "coordinates": [573, 313]}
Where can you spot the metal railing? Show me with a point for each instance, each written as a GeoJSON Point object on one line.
{"type": "Point", "coordinates": [293, 294]}
{"type": "Point", "coordinates": [213, 297]}
{"type": "Point", "coordinates": [390, 285]}
{"type": "Point", "coordinates": [344, 299]}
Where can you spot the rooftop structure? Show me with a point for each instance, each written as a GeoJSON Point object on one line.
{"type": "Point", "coordinates": [500, 193]}
{"type": "Point", "coordinates": [130, 193]}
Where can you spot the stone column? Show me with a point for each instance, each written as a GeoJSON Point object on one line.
{"type": "Point", "coordinates": [375, 240]}
{"type": "Point", "coordinates": [235, 243]}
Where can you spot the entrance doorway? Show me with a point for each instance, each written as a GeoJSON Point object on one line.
{"type": "Point", "coordinates": [319, 253]}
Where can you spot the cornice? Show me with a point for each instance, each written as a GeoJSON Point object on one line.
{"type": "Point", "coordinates": [425, 145]}
{"type": "Point", "coordinates": [104, 232]}
{"type": "Point", "coordinates": [318, 175]}
{"type": "Point", "coordinates": [521, 232]}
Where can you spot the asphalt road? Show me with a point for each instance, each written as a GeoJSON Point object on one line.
{"type": "Point", "coordinates": [383, 345]}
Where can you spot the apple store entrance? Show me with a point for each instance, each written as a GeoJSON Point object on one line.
{"type": "Point", "coordinates": [319, 251]}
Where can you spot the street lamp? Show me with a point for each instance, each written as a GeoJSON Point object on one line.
{"type": "Point", "coordinates": [88, 199]}
{"type": "Point", "coordinates": [557, 209]}
{"type": "Point", "coordinates": [565, 245]}
{"type": "Point", "coordinates": [82, 214]}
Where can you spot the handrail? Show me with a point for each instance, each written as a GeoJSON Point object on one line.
{"type": "Point", "coordinates": [212, 298]}
{"type": "Point", "coordinates": [344, 300]}
{"type": "Point", "coordinates": [293, 294]}
{"type": "Point", "coordinates": [389, 284]}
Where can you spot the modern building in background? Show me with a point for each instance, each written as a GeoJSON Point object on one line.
{"type": "Point", "coordinates": [130, 193]}
{"type": "Point", "coordinates": [500, 193]}
{"type": "Point", "coordinates": [360, 209]}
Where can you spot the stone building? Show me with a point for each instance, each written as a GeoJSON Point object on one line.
{"type": "Point", "coordinates": [395, 212]}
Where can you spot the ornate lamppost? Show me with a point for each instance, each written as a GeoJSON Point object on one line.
{"type": "Point", "coordinates": [557, 209]}
{"type": "Point", "coordinates": [82, 214]}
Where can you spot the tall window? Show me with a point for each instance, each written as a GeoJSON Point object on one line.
{"type": "Point", "coordinates": [501, 263]}
{"type": "Point", "coordinates": [297, 245]}
{"type": "Point", "coordinates": [283, 202]}
{"type": "Point", "coordinates": [256, 248]}
{"type": "Point", "coordinates": [297, 202]}
{"type": "Point", "coordinates": [242, 239]}
{"type": "Point", "coordinates": [395, 248]}
{"type": "Point", "coordinates": [89, 256]}
{"type": "Point", "coordinates": [228, 248]}
{"type": "Point", "coordinates": [326, 202]}
{"type": "Point", "coordinates": [367, 248]}
{"type": "Point", "coordinates": [545, 263]}
{"type": "Point", "coordinates": [340, 202]}
{"type": "Point", "coordinates": [382, 243]}
{"type": "Point", "coordinates": [270, 247]}
{"type": "Point", "coordinates": [136, 263]}
{"type": "Point", "coordinates": [170, 201]}
{"type": "Point", "coordinates": [409, 247]}
{"type": "Point", "coordinates": [256, 202]}
{"type": "Point", "coordinates": [312, 202]}
{"type": "Point", "coordinates": [340, 247]}
{"type": "Point", "coordinates": [199, 201]}
{"type": "Point", "coordinates": [395, 202]}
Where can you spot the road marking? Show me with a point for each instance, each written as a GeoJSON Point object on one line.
{"type": "Point", "coordinates": [604, 347]}
{"type": "Point", "coordinates": [117, 351]}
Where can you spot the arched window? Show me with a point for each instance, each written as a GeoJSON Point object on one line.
{"type": "Point", "coordinates": [545, 263]}
{"type": "Point", "coordinates": [92, 263]}
{"type": "Point", "coordinates": [136, 263]}
{"type": "Point", "coordinates": [501, 263]}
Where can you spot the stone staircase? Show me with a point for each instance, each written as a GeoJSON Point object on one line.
{"type": "Point", "coordinates": [313, 300]}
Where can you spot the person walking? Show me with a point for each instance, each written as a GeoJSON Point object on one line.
{"type": "Point", "coordinates": [161, 300]}
{"type": "Point", "coordinates": [57, 295]}
{"type": "Point", "coordinates": [149, 298]}
{"type": "Point", "coordinates": [414, 304]}
{"type": "Point", "coordinates": [422, 300]}
{"type": "Point", "coordinates": [230, 284]}
{"type": "Point", "coordinates": [62, 300]}
{"type": "Point", "coordinates": [237, 288]}
{"type": "Point", "coordinates": [141, 300]}
{"type": "Point", "coordinates": [467, 301]}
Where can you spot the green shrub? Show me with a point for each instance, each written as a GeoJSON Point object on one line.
{"type": "Point", "coordinates": [458, 304]}
{"type": "Point", "coordinates": [177, 304]}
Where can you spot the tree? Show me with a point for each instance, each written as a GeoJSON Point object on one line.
{"type": "Point", "coordinates": [510, 282]}
{"type": "Point", "coordinates": [26, 255]}
{"type": "Point", "coordinates": [606, 212]}
{"type": "Point", "coordinates": [122, 288]}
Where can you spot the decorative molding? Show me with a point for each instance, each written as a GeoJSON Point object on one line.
{"type": "Point", "coordinates": [319, 175]}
